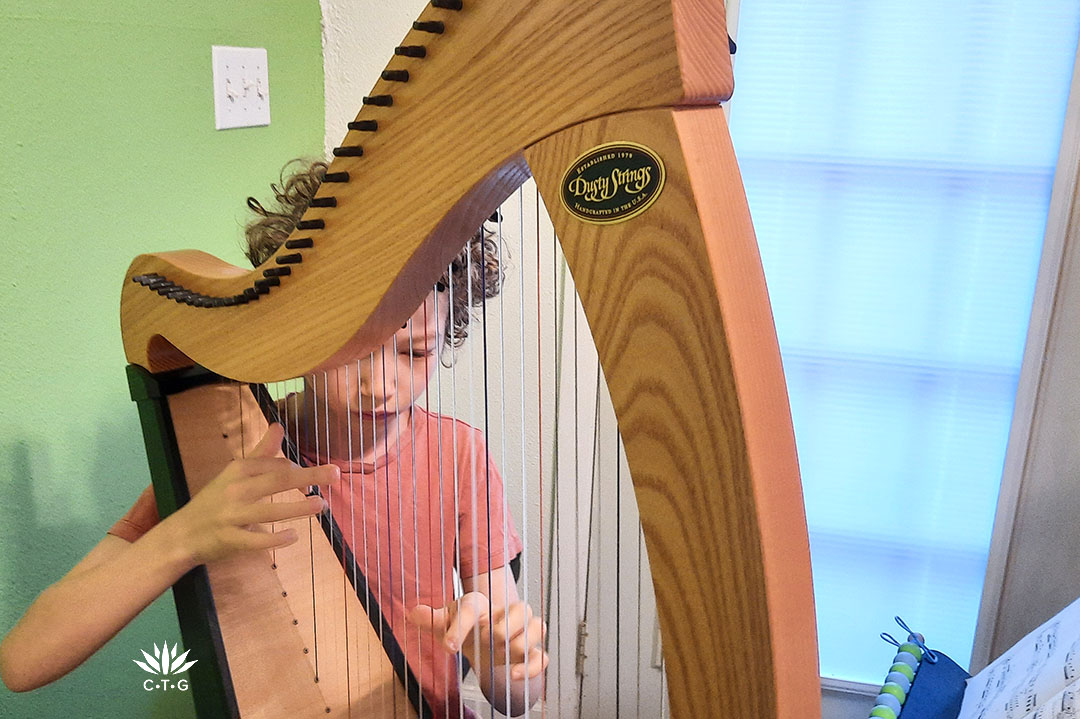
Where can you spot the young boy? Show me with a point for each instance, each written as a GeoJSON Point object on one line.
{"type": "Point", "coordinates": [412, 491]}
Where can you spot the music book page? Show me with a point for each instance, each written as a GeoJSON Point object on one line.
{"type": "Point", "coordinates": [1037, 678]}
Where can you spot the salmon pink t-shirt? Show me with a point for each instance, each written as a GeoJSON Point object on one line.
{"type": "Point", "coordinates": [410, 518]}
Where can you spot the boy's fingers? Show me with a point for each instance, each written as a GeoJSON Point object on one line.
{"type": "Point", "coordinates": [465, 619]}
{"type": "Point", "coordinates": [520, 645]}
{"type": "Point", "coordinates": [254, 466]}
{"type": "Point", "coordinates": [290, 476]}
{"type": "Point", "coordinates": [270, 444]}
{"type": "Point", "coordinates": [538, 661]}
{"type": "Point", "coordinates": [258, 539]}
{"type": "Point", "coordinates": [427, 618]}
{"type": "Point", "coordinates": [264, 512]}
{"type": "Point", "coordinates": [512, 622]}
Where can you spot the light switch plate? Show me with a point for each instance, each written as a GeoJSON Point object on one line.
{"type": "Point", "coordinates": [241, 87]}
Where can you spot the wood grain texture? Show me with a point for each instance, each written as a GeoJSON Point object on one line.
{"type": "Point", "coordinates": [677, 304]}
{"type": "Point", "coordinates": [704, 62]}
{"type": "Point", "coordinates": [505, 74]}
{"type": "Point", "coordinates": [271, 658]}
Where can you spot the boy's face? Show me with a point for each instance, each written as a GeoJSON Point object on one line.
{"type": "Point", "coordinates": [388, 382]}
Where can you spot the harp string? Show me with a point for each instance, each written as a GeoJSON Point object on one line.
{"type": "Point", "coordinates": [579, 609]}
{"type": "Point", "coordinates": [502, 463]}
{"type": "Point", "coordinates": [521, 382]}
{"type": "Point", "coordinates": [539, 408]}
{"type": "Point", "coordinates": [618, 567]}
{"type": "Point", "coordinates": [638, 682]}
{"type": "Point", "coordinates": [375, 502]}
{"type": "Point", "coordinates": [363, 509]}
{"type": "Point", "coordinates": [487, 464]}
{"type": "Point", "coordinates": [439, 462]}
{"type": "Point", "coordinates": [453, 411]}
{"type": "Point", "coordinates": [416, 524]}
{"type": "Point", "coordinates": [352, 524]}
{"type": "Point", "coordinates": [472, 435]}
{"type": "Point", "coordinates": [311, 538]}
{"type": "Point", "coordinates": [397, 465]}
{"type": "Point", "coordinates": [554, 586]}
{"type": "Point", "coordinates": [329, 456]}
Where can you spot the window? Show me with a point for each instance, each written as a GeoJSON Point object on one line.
{"type": "Point", "coordinates": [898, 160]}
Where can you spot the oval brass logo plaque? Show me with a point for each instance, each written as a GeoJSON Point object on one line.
{"type": "Point", "coordinates": [612, 183]}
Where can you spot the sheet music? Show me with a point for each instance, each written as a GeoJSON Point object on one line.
{"type": "Point", "coordinates": [1035, 679]}
{"type": "Point", "coordinates": [1063, 705]}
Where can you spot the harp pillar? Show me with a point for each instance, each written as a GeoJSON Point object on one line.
{"type": "Point", "coordinates": [676, 300]}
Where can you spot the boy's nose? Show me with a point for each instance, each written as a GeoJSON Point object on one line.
{"type": "Point", "coordinates": [376, 382]}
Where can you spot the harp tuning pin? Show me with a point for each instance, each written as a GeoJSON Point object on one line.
{"type": "Point", "coordinates": [395, 75]}
{"type": "Point", "coordinates": [311, 225]}
{"type": "Point", "coordinates": [349, 151]}
{"type": "Point", "coordinates": [364, 125]}
{"type": "Point", "coordinates": [328, 201]}
{"type": "Point", "coordinates": [379, 100]}
{"type": "Point", "coordinates": [435, 27]}
{"type": "Point", "coordinates": [292, 259]}
{"type": "Point", "coordinates": [336, 177]}
{"type": "Point", "coordinates": [411, 50]}
{"type": "Point", "coordinates": [277, 272]}
{"type": "Point", "coordinates": [299, 243]}
{"type": "Point", "coordinates": [446, 4]}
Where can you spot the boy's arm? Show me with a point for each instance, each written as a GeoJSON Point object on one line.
{"type": "Point", "coordinates": [74, 617]}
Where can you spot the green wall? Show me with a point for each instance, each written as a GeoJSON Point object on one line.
{"type": "Point", "coordinates": [108, 149]}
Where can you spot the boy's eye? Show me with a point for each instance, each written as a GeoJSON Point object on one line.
{"type": "Point", "coordinates": [419, 352]}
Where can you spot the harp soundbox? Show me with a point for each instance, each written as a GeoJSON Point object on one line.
{"type": "Point", "coordinates": [613, 108]}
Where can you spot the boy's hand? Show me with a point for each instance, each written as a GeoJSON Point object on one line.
{"type": "Point", "coordinates": [473, 626]}
{"type": "Point", "coordinates": [223, 519]}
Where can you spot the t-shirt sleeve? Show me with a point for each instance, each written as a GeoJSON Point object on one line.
{"type": "Point", "coordinates": [142, 516]}
{"type": "Point", "coordinates": [479, 482]}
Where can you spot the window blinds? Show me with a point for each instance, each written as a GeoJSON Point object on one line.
{"type": "Point", "coordinates": [898, 160]}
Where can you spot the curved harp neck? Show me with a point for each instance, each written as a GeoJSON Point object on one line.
{"type": "Point", "coordinates": [436, 147]}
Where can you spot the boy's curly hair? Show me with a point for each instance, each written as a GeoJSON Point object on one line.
{"type": "Point", "coordinates": [479, 258]}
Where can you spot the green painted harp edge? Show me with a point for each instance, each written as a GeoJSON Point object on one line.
{"type": "Point", "coordinates": [211, 684]}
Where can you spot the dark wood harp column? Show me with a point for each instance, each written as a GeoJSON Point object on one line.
{"type": "Point", "coordinates": [675, 297]}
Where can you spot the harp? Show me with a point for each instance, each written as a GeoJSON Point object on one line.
{"type": "Point", "coordinates": [613, 109]}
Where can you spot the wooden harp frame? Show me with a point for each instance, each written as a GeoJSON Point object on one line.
{"type": "Point", "coordinates": [675, 297]}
